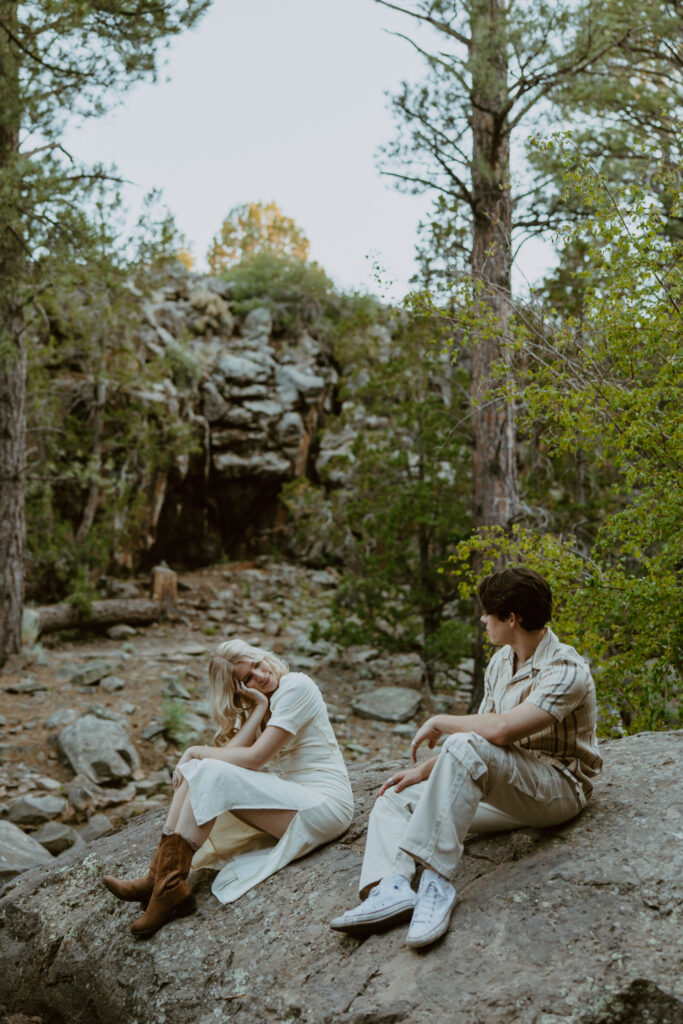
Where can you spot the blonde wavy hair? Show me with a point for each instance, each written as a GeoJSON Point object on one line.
{"type": "Point", "coordinates": [230, 707]}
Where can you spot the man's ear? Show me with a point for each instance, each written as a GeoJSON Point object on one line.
{"type": "Point", "coordinates": [514, 620]}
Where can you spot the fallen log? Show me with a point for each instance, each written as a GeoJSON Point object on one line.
{"type": "Point", "coordinates": [136, 611]}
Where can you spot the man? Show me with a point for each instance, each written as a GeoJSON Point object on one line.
{"type": "Point", "coordinates": [525, 759]}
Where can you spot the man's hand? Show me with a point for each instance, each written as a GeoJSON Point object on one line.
{"type": "Point", "coordinates": [429, 733]}
{"type": "Point", "coordinates": [406, 777]}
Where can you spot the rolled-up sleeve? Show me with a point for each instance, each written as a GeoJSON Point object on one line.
{"type": "Point", "coordinates": [560, 688]}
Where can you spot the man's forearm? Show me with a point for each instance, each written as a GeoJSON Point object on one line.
{"type": "Point", "coordinates": [491, 726]}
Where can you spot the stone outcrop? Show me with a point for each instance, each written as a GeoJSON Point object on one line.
{"type": "Point", "coordinates": [573, 925]}
{"type": "Point", "coordinates": [255, 410]}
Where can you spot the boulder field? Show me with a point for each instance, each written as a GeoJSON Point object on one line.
{"type": "Point", "coordinates": [573, 925]}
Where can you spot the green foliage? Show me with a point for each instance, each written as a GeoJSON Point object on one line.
{"type": "Point", "coordinates": [103, 423]}
{"type": "Point", "coordinates": [610, 71]}
{"type": "Point", "coordinates": [402, 504]}
{"type": "Point", "coordinates": [299, 295]}
{"type": "Point", "coordinates": [174, 718]}
{"type": "Point", "coordinates": [608, 382]}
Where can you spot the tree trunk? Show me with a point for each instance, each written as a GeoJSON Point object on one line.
{"type": "Point", "coordinates": [494, 472]}
{"type": "Point", "coordinates": [495, 489]}
{"type": "Point", "coordinates": [12, 358]}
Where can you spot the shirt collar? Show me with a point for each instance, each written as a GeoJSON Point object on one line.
{"type": "Point", "coordinates": [540, 655]}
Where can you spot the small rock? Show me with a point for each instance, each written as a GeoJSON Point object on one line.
{"type": "Point", "coordinates": [154, 729]}
{"type": "Point", "coordinates": [62, 717]}
{"type": "Point", "coordinates": [106, 714]}
{"type": "Point", "coordinates": [34, 810]}
{"type": "Point", "coordinates": [323, 578]}
{"type": "Point", "coordinates": [388, 704]}
{"type": "Point", "coordinates": [90, 675]}
{"type": "Point", "coordinates": [3, 721]}
{"type": "Point", "coordinates": [112, 683]}
{"type": "Point", "coordinates": [404, 730]}
{"type": "Point", "coordinates": [443, 704]}
{"type": "Point", "coordinates": [359, 655]}
{"type": "Point", "coordinates": [356, 748]}
{"type": "Point", "coordinates": [129, 709]}
{"type": "Point", "coordinates": [191, 648]}
{"type": "Point", "coordinates": [56, 837]}
{"type": "Point", "coordinates": [99, 825]}
{"type": "Point", "coordinates": [28, 685]}
{"type": "Point", "coordinates": [174, 688]}
{"type": "Point", "coordinates": [37, 655]}
{"type": "Point", "coordinates": [19, 852]}
{"type": "Point", "coordinates": [45, 782]}
{"type": "Point", "coordinates": [121, 631]}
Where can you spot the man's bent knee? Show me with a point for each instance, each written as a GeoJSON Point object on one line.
{"type": "Point", "coordinates": [472, 751]}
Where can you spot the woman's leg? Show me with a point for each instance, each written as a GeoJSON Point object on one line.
{"type": "Point", "coordinates": [181, 819]}
{"type": "Point", "coordinates": [273, 821]}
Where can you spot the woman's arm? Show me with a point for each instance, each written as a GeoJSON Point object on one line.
{"type": "Point", "coordinates": [254, 756]}
{"type": "Point", "coordinates": [248, 731]}
{"type": "Point", "coordinates": [504, 729]}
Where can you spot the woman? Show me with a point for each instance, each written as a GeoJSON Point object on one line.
{"type": "Point", "coordinates": [227, 812]}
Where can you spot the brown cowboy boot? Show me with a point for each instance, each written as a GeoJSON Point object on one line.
{"type": "Point", "coordinates": [172, 896]}
{"type": "Point", "coordinates": [135, 890]}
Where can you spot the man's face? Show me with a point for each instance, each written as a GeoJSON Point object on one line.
{"type": "Point", "coordinates": [499, 631]}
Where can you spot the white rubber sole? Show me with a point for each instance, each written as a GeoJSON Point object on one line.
{"type": "Point", "coordinates": [439, 929]}
{"type": "Point", "coordinates": [372, 920]}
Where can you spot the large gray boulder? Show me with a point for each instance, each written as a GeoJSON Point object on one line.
{"type": "Point", "coordinates": [388, 704]}
{"type": "Point", "coordinates": [18, 853]}
{"type": "Point", "coordinates": [98, 748]}
{"type": "Point", "coordinates": [573, 925]}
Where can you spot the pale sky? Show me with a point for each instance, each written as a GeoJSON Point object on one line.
{"type": "Point", "coordinates": [277, 100]}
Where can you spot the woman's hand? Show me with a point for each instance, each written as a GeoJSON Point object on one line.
{"type": "Point", "coordinates": [188, 755]}
{"type": "Point", "coordinates": [403, 779]}
{"type": "Point", "coordinates": [429, 733]}
{"type": "Point", "coordinates": [259, 699]}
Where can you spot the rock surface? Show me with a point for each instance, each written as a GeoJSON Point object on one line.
{"type": "Point", "coordinates": [18, 852]}
{"type": "Point", "coordinates": [388, 704]}
{"type": "Point", "coordinates": [573, 925]}
{"type": "Point", "coordinates": [99, 748]}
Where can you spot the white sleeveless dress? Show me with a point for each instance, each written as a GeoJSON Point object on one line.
{"type": "Point", "coordinates": [307, 775]}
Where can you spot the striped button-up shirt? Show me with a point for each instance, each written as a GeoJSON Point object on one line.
{"type": "Point", "coordinates": [558, 680]}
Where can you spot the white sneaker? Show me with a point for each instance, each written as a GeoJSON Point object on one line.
{"type": "Point", "coordinates": [390, 901]}
{"type": "Point", "coordinates": [433, 908]}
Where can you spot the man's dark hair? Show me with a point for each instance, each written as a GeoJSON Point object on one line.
{"type": "Point", "coordinates": [517, 590]}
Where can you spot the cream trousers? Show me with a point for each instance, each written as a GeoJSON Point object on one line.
{"type": "Point", "coordinates": [427, 823]}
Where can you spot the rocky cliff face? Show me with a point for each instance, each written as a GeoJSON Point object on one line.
{"type": "Point", "coordinates": [574, 925]}
{"type": "Point", "coordinates": [256, 403]}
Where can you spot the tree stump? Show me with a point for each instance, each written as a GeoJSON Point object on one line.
{"type": "Point", "coordinates": [165, 591]}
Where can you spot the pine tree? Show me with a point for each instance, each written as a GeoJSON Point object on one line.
{"type": "Point", "coordinates": [56, 61]}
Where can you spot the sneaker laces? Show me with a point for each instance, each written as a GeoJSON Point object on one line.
{"type": "Point", "coordinates": [426, 903]}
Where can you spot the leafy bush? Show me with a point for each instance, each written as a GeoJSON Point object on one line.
{"type": "Point", "coordinates": [608, 382]}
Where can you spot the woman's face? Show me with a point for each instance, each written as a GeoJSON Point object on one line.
{"type": "Point", "coordinates": [256, 675]}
